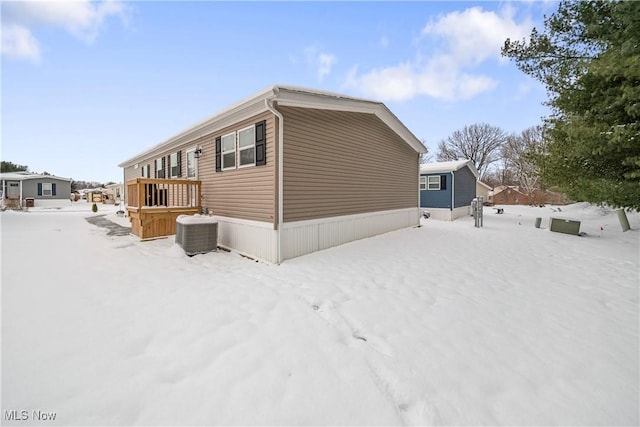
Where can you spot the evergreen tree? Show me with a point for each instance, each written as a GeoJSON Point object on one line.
{"type": "Point", "coordinates": [12, 167]}
{"type": "Point", "coordinates": [588, 57]}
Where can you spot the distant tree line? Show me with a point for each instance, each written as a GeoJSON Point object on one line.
{"type": "Point", "coordinates": [12, 167]}
{"type": "Point", "coordinates": [499, 157]}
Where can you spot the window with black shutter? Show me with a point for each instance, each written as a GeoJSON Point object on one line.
{"type": "Point", "coordinates": [218, 154]}
{"type": "Point", "coordinates": [261, 143]}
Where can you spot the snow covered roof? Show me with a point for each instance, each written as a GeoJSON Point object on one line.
{"type": "Point", "coordinates": [500, 188]}
{"type": "Point", "coordinates": [292, 96]}
{"type": "Point", "coordinates": [24, 176]}
{"type": "Point", "coordinates": [487, 186]}
{"type": "Point", "coordinates": [450, 166]}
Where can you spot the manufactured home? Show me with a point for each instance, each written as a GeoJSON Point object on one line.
{"type": "Point", "coordinates": [285, 172]}
{"type": "Point", "coordinates": [447, 188]}
{"type": "Point", "coordinates": [26, 189]}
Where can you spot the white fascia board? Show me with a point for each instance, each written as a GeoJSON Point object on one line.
{"type": "Point", "coordinates": [12, 176]}
{"type": "Point", "coordinates": [319, 100]}
{"type": "Point", "coordinates": [322, 102]}
{"type": "Point", "coordinates": [396, 125]}
{"type": "Point", "coordinates": [240, 111]}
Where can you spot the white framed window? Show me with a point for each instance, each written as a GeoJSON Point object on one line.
{"type": "Point", "coordinates": [423, 183]}
{"type": "Point", "coordinates": [159, 168]}
{"type": "Point", "coordinates": [247, 146]}
{"type": "Point", "coordinates": [46, 189]}
{"type": "Point", "coordinates": [146, 171]}
{"type": "Point", "coordinates": [192, 167]}
{"type": "Point", "coordinates": [433, 182]}
{"type": "Point", "coordinates": [229, 151]}
{"type": "Point", "coordinates": [174, 165]}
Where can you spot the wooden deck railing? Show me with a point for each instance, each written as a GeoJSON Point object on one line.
{"type": "Point", "coordinates": [154, 204]}
{"type": "Point", "coordinates": [147, 192]}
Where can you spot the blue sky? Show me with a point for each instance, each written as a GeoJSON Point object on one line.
{"type": "Point", "coordinates": [87, 85]}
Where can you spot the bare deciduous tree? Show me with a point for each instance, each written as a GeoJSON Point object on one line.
{"type": "Point", "coordinates": [521, 152]}
{"type": "Point", "coordinates": [426, 157]}
{"type": "Point", "coordinates": [480, 143]}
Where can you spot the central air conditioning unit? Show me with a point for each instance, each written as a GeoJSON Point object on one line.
{"type": "Point", "coordinates": [197, 234]}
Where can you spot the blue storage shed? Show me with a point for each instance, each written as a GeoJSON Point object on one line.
{"type": "Point", "coordinates": [447, 188]}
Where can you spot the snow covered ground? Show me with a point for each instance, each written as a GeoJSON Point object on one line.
{"type": "Point", "coordinates": [444, 324]}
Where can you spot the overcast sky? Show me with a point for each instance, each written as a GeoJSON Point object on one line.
{"type": "Point", "coordinates": [87, 85]}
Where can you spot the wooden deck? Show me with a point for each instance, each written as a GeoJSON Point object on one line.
{"type": "Point", "coordinates": [154, 204]}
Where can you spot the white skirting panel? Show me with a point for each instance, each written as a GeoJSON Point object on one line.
{"type": "Point", "coordinates": [446, 214]}
{"type": "Point", "coordinates": [252, 238]}
{"type": "Point", "coordinates": [460, 212]}
{"type": "Point", "coordinates": [50, 203]}
{"type": "Point", "coordinates": [303, 237]}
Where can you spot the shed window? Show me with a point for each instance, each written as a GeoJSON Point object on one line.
{"type": "Point", "coordinates": [423, 183]}
{"type": "Point", "coordinates": [229, 151]}
{"type": "Point", "coordinates": [433, 182]}
{"type": "Point", "coordinates": [247, 146]}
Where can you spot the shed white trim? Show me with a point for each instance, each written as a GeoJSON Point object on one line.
{"type": "Point", "coordinates": [450, 166]}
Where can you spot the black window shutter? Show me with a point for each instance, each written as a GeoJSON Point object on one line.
{"type": "Point", "coordinates": [142, 172]}
{"type": "Point", "coordinates": [218, 154]}
{"type": "Point", "coordinates": [261, 143]}
{"type": "Point", "coordinates": [53, 189]}
{"type": "Point", "coordinates": [443, 182]}
{"type": "Point", "coordinates": [179, 163]}
{"type": "Point", "coordinates": [39, 189]}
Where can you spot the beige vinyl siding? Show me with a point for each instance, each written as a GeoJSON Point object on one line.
{"type": "Point", "coordinates": [131, 172]}
{"type": "Point", "coordinates": [245, 193]}
{"type": "Point", "coordinates": [342, 163]}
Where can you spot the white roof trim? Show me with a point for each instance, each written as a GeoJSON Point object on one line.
{"type": "Point", "coordinates": [487, 186]}
{"type": "Point", "coordinates": [451, 166]}
{"type": "Point", "coordinates": [286, 96]}
{"type": "Point", "coordinates": [25, 176]}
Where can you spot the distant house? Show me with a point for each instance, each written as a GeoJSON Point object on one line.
{"type": "Point", "coordinates": [115, 193]}
{"type": "Point", "coordinates": [483, 190]}
{"type": "Point", "coordinates": [447, 188]}
{"type": "Point", "coordinates": [513, 195]}
{"type": "Point", "coordinates": [286, 172]}
{"type": "Point", "coordinates": [26, 189]}
{"type": "Point", "coordinates": [509, 195]}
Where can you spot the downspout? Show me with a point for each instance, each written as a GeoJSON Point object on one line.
{"type": "Point", "coordinates": [269, 104]}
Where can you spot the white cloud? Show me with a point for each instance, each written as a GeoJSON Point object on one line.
{"type": "Point", "coordinates": [466, 38]}
{"type": "Point", "coordinates": [475, 35]}
{"type": "Point", "coordinates": [83, 19]}
{"type": "Point", "coordinates": [325, 62]}
{"type": "Point", "coordinates": [19, 43]}
{"type": "Point", "coordinates": [322, 62]}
